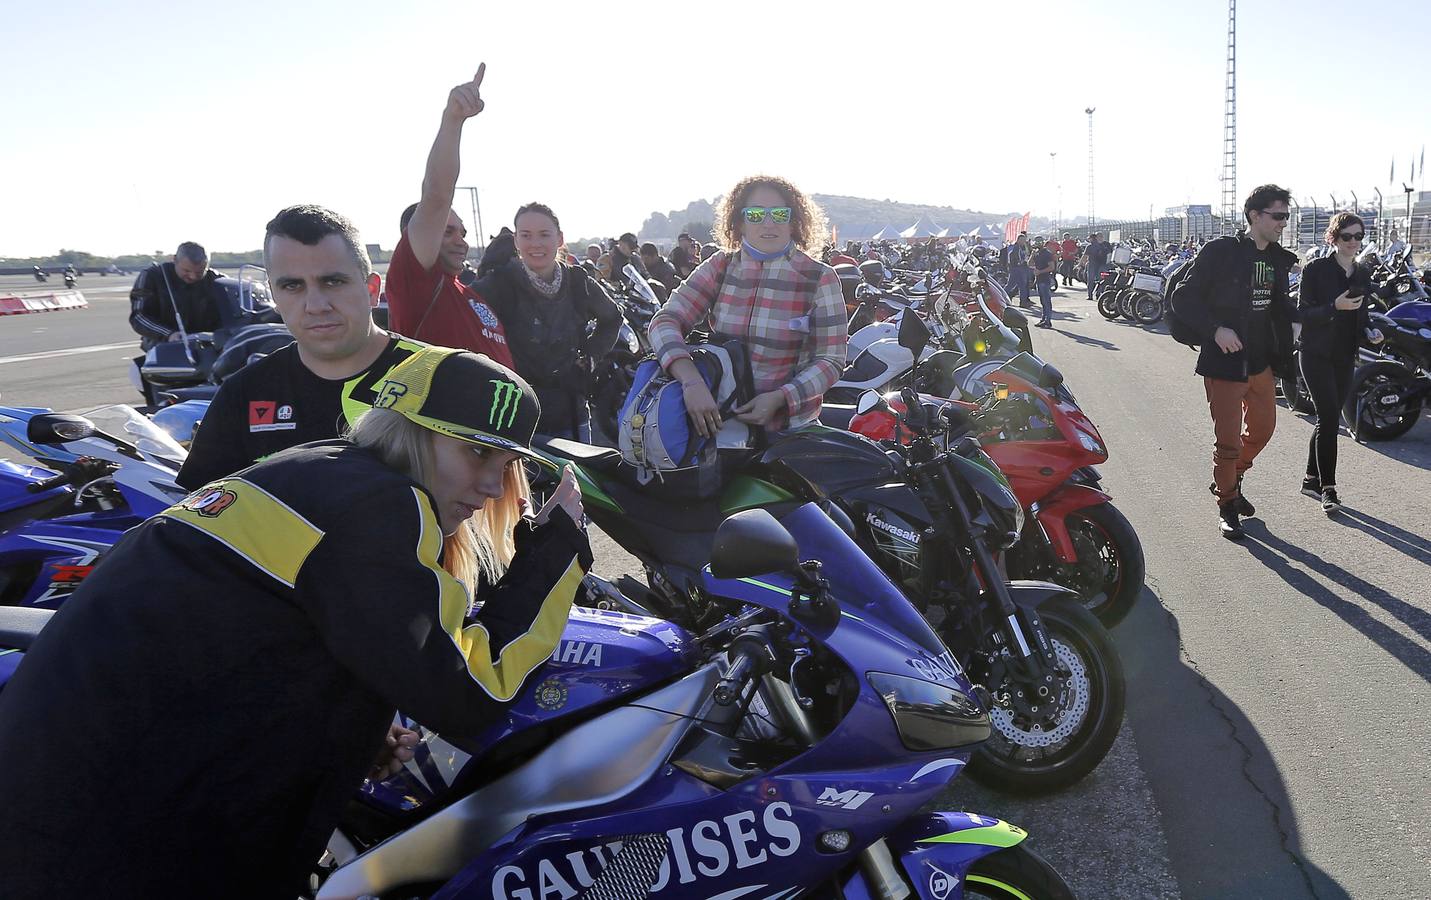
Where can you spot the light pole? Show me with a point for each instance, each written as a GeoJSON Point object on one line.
{"type": "Point", "coordinates": [1380, 218]}
{"type": "Point", "coordinates": [1091, 220]}
{"type": "Point", "coordinates": [476, 213]}
{"type": "Point", "coordinates": [1053, 174]}
{"type": "Point", "coordinates": [1407, 188]}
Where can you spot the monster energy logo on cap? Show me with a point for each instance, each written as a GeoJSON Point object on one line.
{"type": "Point", "coordinates": [442, 389]}
{"type": "Point", "coordinates": [505, 397]}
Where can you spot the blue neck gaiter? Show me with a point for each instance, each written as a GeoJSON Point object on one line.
{"type": "Point", "coordinates": [763, 257]}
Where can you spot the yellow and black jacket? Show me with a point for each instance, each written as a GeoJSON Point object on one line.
{"type": "Point", "coordinates": [197, 715]}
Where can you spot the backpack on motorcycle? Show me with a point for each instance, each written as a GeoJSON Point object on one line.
{"type": "Point", "coordinates": [655, 435]}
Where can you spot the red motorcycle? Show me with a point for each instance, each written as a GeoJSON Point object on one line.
{"type": "Point", "coordinates": [1032, 428]}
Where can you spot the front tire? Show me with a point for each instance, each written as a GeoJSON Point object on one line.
{"type": "Point", "coordinates": [1015, 873]}
{"type": "Point", "coordinates": [1368, 414]}
{"type": "Point", "coordinates": [1023, 757]}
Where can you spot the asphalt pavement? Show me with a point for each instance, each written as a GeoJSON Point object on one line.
{"type": "Point", "coordinates": [1276, 737]}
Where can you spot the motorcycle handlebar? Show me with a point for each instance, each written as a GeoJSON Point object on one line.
{"type": "Point", "coordinates": [47, 484]}
{"type": "Point", "coordinates": [752, 658]}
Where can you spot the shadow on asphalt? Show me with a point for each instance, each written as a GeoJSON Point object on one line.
{"type": "Point", "coordinates": [1230, 824]}
{"type": "Point", "coordinates": [1412, 448]}
{"type": "Point", "coordinates": [1393, 536]}
{"type": "Point", "coordinates": [1084, 339]}
{"type": "Point", "coordinates": [1295, 566]}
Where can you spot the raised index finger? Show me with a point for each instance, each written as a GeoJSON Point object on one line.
{"type": "Point", "coordinates": [481, 71]}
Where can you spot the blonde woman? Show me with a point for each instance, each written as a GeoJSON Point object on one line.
{"type": "Point", "coordinates": [259, 637]}
{"type": "Point", "coordinates": [766, 291]}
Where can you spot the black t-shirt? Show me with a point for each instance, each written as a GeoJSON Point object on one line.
{"type": "Point", "coordinates": [277, 403]}
{"type": "Point", "coordinates": [1098, 252]}
{"type": "Point", "coordinates": [1042, 259]}
{"type": "Point", "coordinates": [1259, 323]}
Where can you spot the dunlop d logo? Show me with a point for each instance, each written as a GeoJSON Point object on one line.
{"type": "Point", "coordinates": [505, 398]}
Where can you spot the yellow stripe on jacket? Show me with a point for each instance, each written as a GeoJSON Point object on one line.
{"type": "Point", "coordinates": [501, 676]}
{"type": "Point", "coordinates": [253, 523]}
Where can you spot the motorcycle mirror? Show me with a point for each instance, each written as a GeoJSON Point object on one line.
{"type": "Point", "coordinates": [913, 333]}
{"type": "Point", "coordinates": [58, 428]}
{"type": "Point", "coordinates": [752, 543]}
{"type": "Point", "coordinates": [1050, 377]}
{"type": "Point", "coordinates": [869, 401]}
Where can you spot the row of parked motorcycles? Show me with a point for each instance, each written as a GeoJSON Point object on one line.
{"type": "Point", "coordinates": [920, 585]}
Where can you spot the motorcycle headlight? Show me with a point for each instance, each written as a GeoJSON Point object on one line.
{"type": "Point", "coordinates": [1090, 443]}
{"type": "Point", "coordinates": [930, 716]}
{"type": "Point", "coordinates": [632, 344]}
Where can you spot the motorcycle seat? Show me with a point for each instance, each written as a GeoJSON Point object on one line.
{"type": "Point", "coordinates": [20, 625]}
{"type": "Point", "coordinates": [600, 459]}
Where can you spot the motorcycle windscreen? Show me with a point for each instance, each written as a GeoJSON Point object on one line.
{"type": "Point", "coordinates": [854, 576]}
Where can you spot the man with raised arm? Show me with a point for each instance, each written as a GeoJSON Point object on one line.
{"type": "Point", "coordinates": [425, 299]}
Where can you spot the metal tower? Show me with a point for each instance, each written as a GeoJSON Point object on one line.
{"type": "Point", "coordinates": [1229, 124]}
{"type": "Point", "coordinates": [1091, 221]}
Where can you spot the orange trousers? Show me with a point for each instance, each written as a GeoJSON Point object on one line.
{"type": "Point", "coordinates": [1244, 415]}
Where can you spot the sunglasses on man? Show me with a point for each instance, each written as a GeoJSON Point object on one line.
{"type": "Point", "coordinates": [780, 215]}
{"type": "Point", "coordinates": [1279, 216]}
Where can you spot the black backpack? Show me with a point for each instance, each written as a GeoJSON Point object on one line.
{"type": "Point", "coordinates": [1180, 328]}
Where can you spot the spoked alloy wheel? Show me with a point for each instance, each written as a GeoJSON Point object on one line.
{"type": "Point", "coordinates": [1053, 742]}
{"type": "Point", "coordinates": [1379, 406]}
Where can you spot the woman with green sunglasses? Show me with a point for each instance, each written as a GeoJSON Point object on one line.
{"type": "Point", "coordinates": [765, 291]}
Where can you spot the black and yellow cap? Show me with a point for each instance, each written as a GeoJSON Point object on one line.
{"type": "Point", "coordinates": [466, 396]}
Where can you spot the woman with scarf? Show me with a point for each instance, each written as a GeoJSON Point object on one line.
{"type": "Point", "coordinates": [546, 307]}
{"type": "Point", "coordinates": [767, 292]}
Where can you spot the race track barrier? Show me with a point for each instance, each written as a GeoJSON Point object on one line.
{"type": "Point", "coordinates": [20, 304]}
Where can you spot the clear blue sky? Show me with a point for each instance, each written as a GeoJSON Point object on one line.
{"type": "Point", "coordinates": [130, 127]}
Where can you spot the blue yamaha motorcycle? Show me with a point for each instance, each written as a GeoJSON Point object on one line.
{"type": "Point", "coordinates": [99, 475]}
{"type": "Point", "coordinates": [784, 753]}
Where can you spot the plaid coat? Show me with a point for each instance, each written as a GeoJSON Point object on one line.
{"type": "Point", "coordinates": [789, 312]}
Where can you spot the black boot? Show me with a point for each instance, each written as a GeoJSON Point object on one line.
{"type": "Point", "coordinates": [1244, 506]}
{"type": "Point", "coordinates": [1228, 520]}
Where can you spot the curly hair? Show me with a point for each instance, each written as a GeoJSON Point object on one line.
{"type": "Point", "coordinates": [1342, 220]}
{"type": "Point", "coordinates": [808, 228]}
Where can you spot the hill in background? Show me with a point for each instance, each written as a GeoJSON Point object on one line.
{"type": "Point", "coordinates": [856, 218]}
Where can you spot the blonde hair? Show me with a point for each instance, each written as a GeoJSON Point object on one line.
{"type": "Point", "coordinates": [484, 545]}
{"type": "Point", "coordinates": [808, 228]}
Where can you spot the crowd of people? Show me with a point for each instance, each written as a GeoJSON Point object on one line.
{"type": "Point", "coordinates": [361, 507]}
{"type": "Point", "coordinates": [360, 502]}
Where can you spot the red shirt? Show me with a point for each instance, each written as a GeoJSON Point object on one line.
{"type": "Point", "coordinates": [841, 258]}
{"type": "Point", "coordinates": [433, 306]}
{"type": "Point", "coordinates": [1069, 248]}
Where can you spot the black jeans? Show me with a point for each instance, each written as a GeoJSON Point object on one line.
{"type": "Point", "coordinates": [1328, 379]}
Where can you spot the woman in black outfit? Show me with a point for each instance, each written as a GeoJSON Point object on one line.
{"type": "Point", "coordinates": [1332, 307]}
{"type": "Point", "coordinates": [557, 318]}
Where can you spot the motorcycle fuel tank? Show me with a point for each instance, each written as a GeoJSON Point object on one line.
{"type": "Point", "coordinates": [602, 656]}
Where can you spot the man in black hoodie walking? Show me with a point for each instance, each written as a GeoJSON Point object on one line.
{"type": "Point", "coordinates": [1235, 303]}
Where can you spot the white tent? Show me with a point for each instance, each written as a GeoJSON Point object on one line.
{"type": "Point", "coordinates": [887, 233]}
{"type": "Point", "coordinates": [921, 229]}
